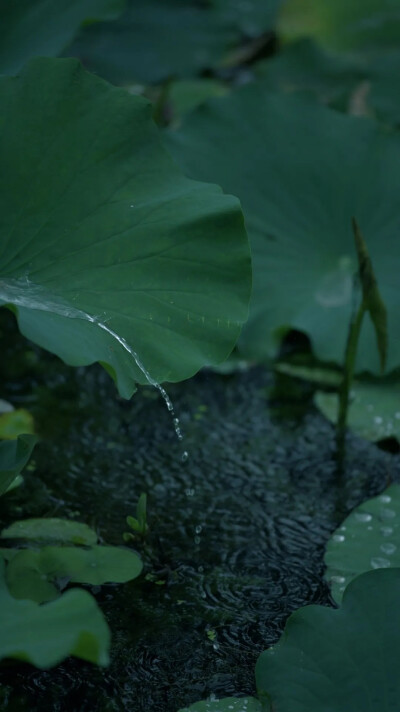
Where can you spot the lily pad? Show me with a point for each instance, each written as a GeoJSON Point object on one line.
{"type": "Point", "coordinates": [45, 27]}
{"type": "Point", "coordinates": [63, 531]}
{"type": "Point", "coordinates": [45, 635]}
{"type": "Point", "coordinates": [374, 411]}
{"type": "Point", "coordinates": [302, 172]}
{"type": "Point", "coordinates": [108, 253]}
{"type": "Point", "coordinates": [34, 574]}
{"type": "Point", "coordinates": [369, 538]}
{"type": "Point", "coordinates": [338, 660]}
{"type": "Point", "coordinates": [366, 25]}
{"type": "Point", "coordinates": [227, 704]}
{"type": "Point", "coordinates": [14, 454]}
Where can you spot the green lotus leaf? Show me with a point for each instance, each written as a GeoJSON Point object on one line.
{"type": "Point", "coordinates": [253, 17]}
{"type": "Point", "coordinates": [14, 454]}
{"type": "Point", "coordinates": [63, 531]}
{"type": "Point", "coordinates": [227, 704]}
{"type": "Point", "coordinates": [45, 27]}
{"type": "Point", "coordinates": [107, 252]}
{"type": "Point", "coordinates": [367, 25]}
{"type": "Point", "coordinates": [374, 411]}
{"type": "Point", "coordinates": [338, 660]}
{"type": "Point", "coordinates": [383, 96]}
{"type": "Point", "coordinates": [34, 574]}
{"type": "Point", "coordinates": [145, 45]}
{"type": "Point", "coordinates": [302, 172]}
{"type": "Point", "coordinates": [305, 66]}
{"type": "Point", "coordinates": [45, 635]}
{"type": "Point", "coordinates": [369, 538]}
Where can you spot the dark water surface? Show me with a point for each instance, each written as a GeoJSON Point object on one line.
{"type": "Point", "coordinates": [237, 531]}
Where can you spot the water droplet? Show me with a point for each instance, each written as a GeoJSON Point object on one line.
{"type": "Point", "coordinates": [380, 563]}
{"type": "Point", "coordinates": [397, 415]}
{"type": "Point", "coordinates": [131, 206]}
{"type": "Point", "coordinates": [387, 531]}
{"type": "Point", "coordinates": [363, 517]}
{"type": "Point", "coordinates": [338, 579]}
{"type": "Point", "coordinates": [199, 529]}
{"type": "Point", "coordinates": [385, 498]}
{"type": "Point", "coordinates": [388, 548]}
{"type": "Point", "coordinates": [197, 540]}
{"type": "Point", "coordinates": [338, 537]}
{"type": "Point", "coordinates": [200, 569]}
{"type": "Point", "coordinates": [388, 513]}
{"type": "Point", "coordinates": [378, 420]}
{"type": "Point", "coordinates": [185, 456]}
{"type": "Point", "coordinates": [189, 492]}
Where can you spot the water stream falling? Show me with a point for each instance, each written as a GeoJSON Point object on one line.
{"type": "Point", "coordinates": [23, 293]}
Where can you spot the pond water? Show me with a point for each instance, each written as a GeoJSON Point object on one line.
{"type": "Point", "coordinates": [237, 530]}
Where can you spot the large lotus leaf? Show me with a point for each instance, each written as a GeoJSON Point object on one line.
{"type": "Point", "coordinates": [154, 40]}
{"type": "Point", "coordinates": [374, 410]}
{"type": "Point", "coordinates": [45, 635]}
{"type": "Point", "coordinates": [343, 660]}
{"type": "Point", "coordinates": [45, 27]}
{"type": "Point", "coordinates": [302, 171]}
{"type": "Point", "coordinates": [368, 539]}
{"type": "Point", "coordinates": [14, 454]}
{"type": "Point", "coordinates": [63, 531]}
{"type": "Point", "coordinates": [344, 24]}
{"type": "Point", "coordinates": [305, 66]}
{"type": "Point", "coordinates": [34, 574]}
{"type": "Point", "coordinates": [227, 704]}
{"type": "Point", "coordinates": [98, 225]}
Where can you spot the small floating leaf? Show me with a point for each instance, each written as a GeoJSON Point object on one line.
{"type": "Point", "coordinates": [343, 660]}
{"type": "Point", "coordinates": [45, 635]}
{"type": "Point", "coordinates": [369, 538]}
{"type": "Point", "coordinates": [58, 530]}
{"type": "Point", "coordinates": [96, 566]}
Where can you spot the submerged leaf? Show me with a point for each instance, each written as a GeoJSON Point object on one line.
{"type": "Point", "coordinates": [338, 660]}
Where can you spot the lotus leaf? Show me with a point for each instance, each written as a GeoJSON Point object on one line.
{"type": "Point", "coordinates": [302, 172]}
{"type": "Point", "coordinates": [45, 635]}
{"type": "Point", "coordinates": [369, 538]}
{"type": "Point", "coordinates": [374, 411]}
{"type": "Point", "coordinates": [45, 27]}
{"type": "Point", "coordinates": [14, 454]}
{"type": "Point", "coordinates": [338, 660]}
{"type": "Point", "coordinates": [107, 252]}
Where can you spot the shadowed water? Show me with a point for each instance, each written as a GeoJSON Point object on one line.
{"type": "Point", "coordinates": [237, 531]}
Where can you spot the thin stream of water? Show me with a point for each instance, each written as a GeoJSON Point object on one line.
{"type": "Point", "coordinates": [24, 293]}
